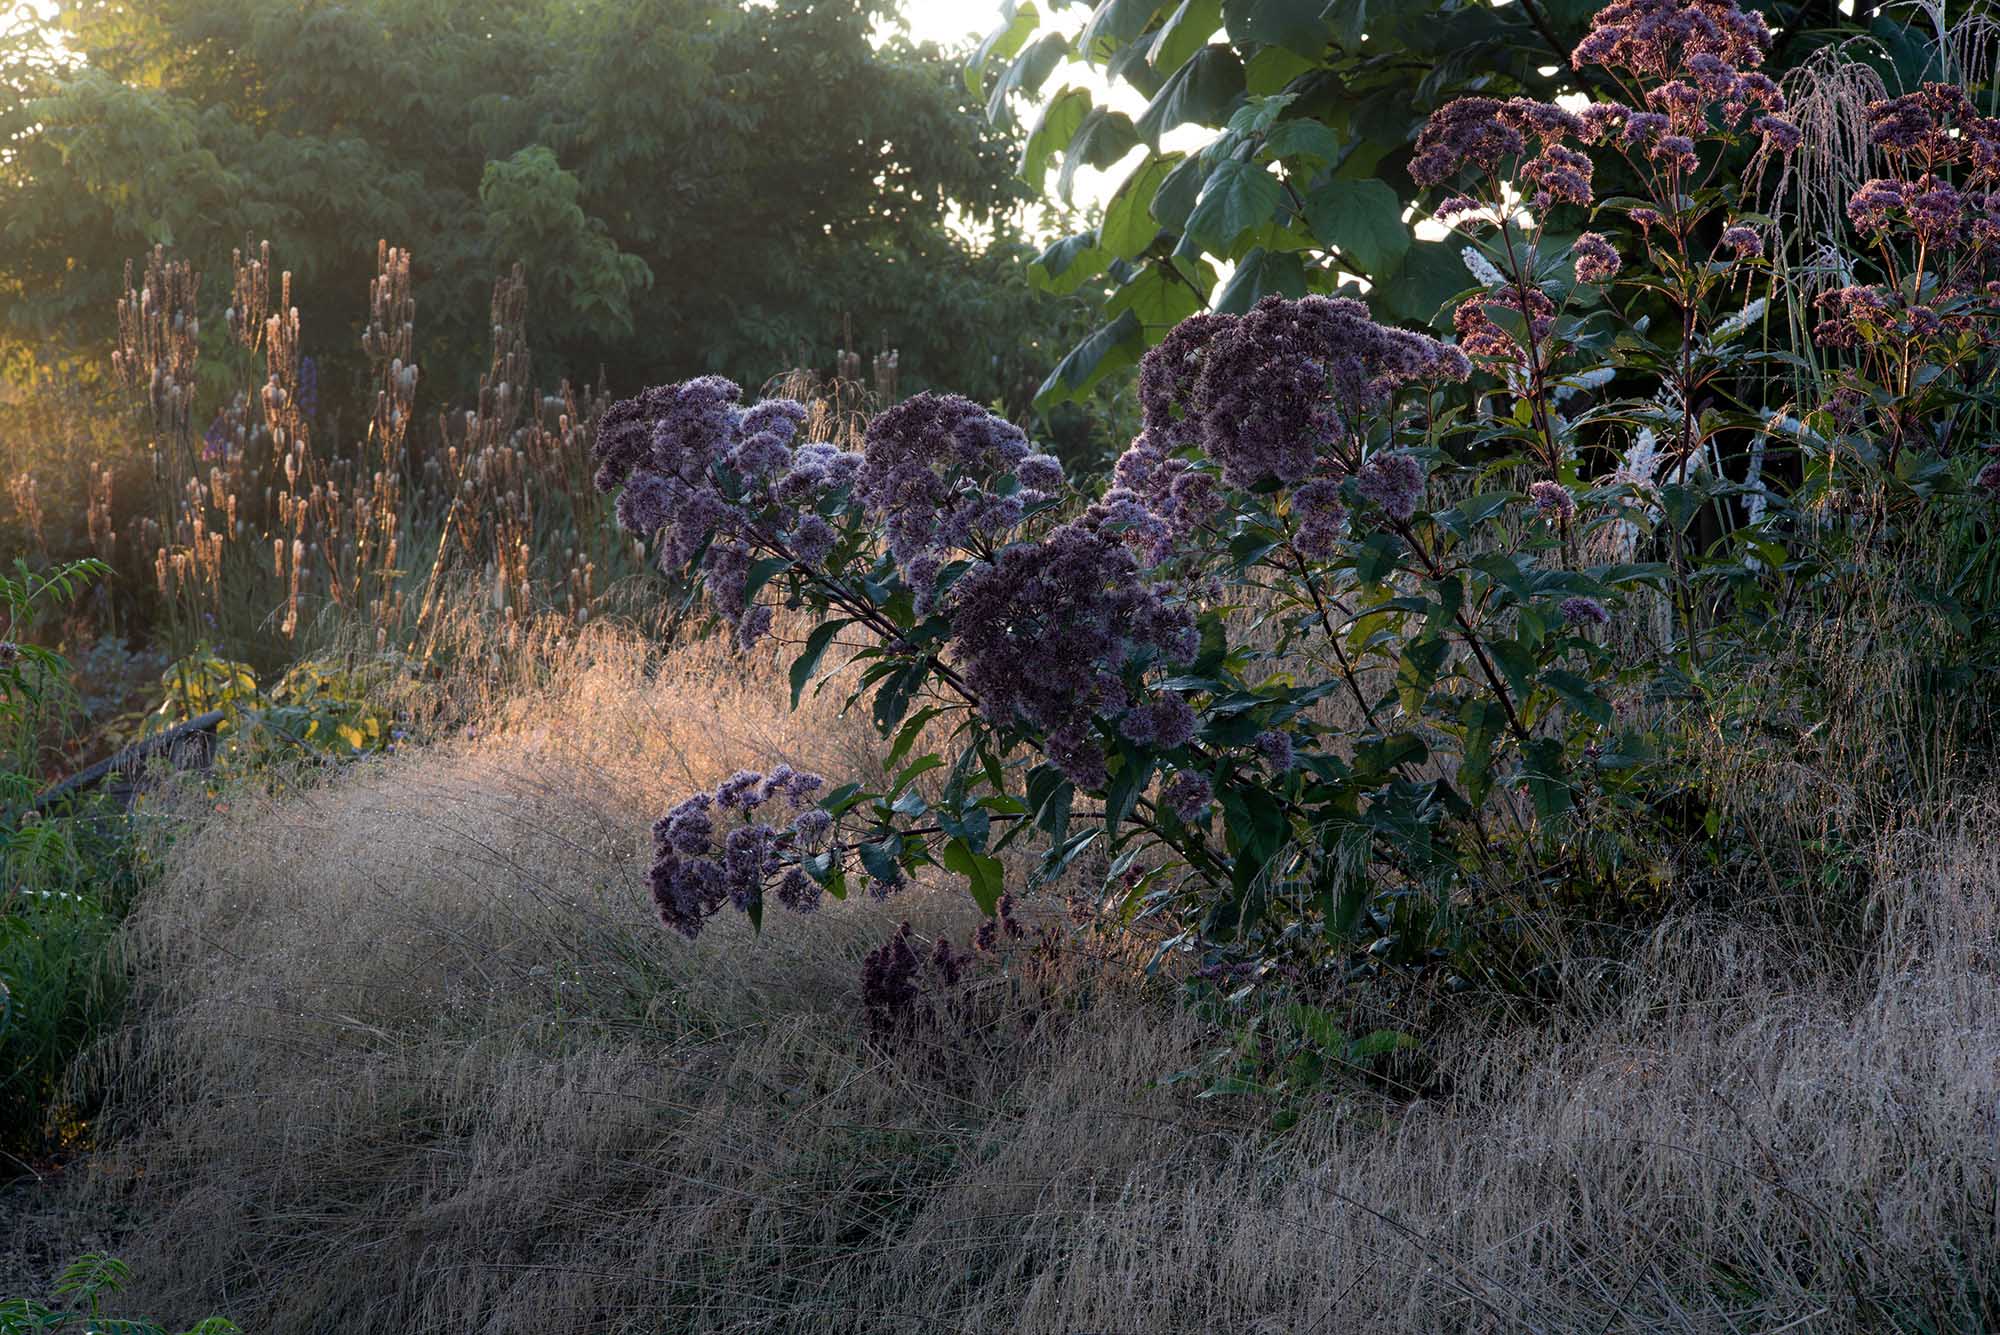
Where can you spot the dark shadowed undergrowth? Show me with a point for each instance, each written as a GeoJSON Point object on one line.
{"type": "Point", "coordinates": [410, 1054]}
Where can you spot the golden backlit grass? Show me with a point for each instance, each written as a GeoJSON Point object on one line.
{"type": "Point", "coordinates": [409, 1055]}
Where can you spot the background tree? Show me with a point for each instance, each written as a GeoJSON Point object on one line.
{"type": "Point", "coordinates": [692, 184]}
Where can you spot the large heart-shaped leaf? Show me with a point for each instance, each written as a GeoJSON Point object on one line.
{"type": "Point", "coordinates": [1202, 92]}
{"type": "Point", "coordinates": [1185, 32]}
{"type": "Point", "coordinates": [1025, 76]}
{"type": "Point", "coordinates": [1052, 133]}
{"type": "Point", "coordinates": [1258, 275]}
{"type": "Point", "coordinates": [1017, 25]}
{"type": "Point", "coordinates": [1236, 197]}
{"type": "Point", "coordinates": [1068, 264]}
{"type": "Point", "coordinates": [1364, 221]}
{"type": "Point", "coordinates": [1128, 226]}
{"type": "Point", "coordinates": [1111, 347]}
{"type": "Point", "coordinates": [1101, 138]}
{"type": "Point", "coordinates": [1293, 24]}
{"type": "Point", "coordinates": [1161, 296]}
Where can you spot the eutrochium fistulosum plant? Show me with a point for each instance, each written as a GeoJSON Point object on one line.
{"type": "Point", "coordinates": [1367, 627]}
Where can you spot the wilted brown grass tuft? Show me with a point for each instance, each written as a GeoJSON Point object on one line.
{"type": "Point", "coordinates": [411, 1057]}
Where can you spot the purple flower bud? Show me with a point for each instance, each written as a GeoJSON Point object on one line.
{"type": "Point", "coordinates": [1276, 749]}
{"type": "Point", "coordinates": [1596, 259]}
{"type": "Point", "coordinates": [1553, 499]}
{"type": "Point", "coordinates": [741, 791]}
{"type": "Point", "coordinates": [1393, 480]}
{"type": "Point", "coordinates": [1580, 611]}
{"type": "Point", "coordinates": [1744, 241]}
{"type": "Point", "coordinates": [811, 825]}
{"type": "Point", "coordinates": [1040, 472]}
{"type": "Point", "coordinates": [798, 891]}
{"type": "Point", "coordinates": [1188, 795]}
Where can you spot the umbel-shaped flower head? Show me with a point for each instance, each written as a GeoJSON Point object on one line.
{"type": "Point", "coordinates": [1266, 394]}
{"type": "Point", "coordinates": [1044, 635]}
{"type": "Point", "coordinates": [934, 475]}
{"type": "Point", "coordinates": [702, 475]}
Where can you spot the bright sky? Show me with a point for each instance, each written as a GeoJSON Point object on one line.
{"type": "Point", "coordinates": [964, 22]}
{"type": "Point", "coordinates": [945, 21]}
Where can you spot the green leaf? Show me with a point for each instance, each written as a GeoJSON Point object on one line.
{"type": "Point", "coordinates": [1422, 659]}
{"type": "Point", "coordinates": [1126, 787]}
{"type": "Point", "coordinates": [1111, 347]}
{"type": "Point", "coordinates": [1349, 20]}
{"type": "Point", "coordinates": [1431, 274]}
{"type": "Point", "coordinates": [1025, 77]}
{"type": "Point", "coordinates": [1059, 122]}
{"type": "Point", "coordinates": [760, 575]}
{"type": "Point", "coordinates": [1378, 557]}
{"type": "Point", "coordinates": [907, 735]}
{"type": "Point", "coordinates": [1129, 226]}
{"type": "Point", "coordinates": [1483, 720]}
{"type": "Point", "coordinates": [1103, 137]}
{"type": "Point", "coordinates": [1112, 25]}
{"type": "Point", "coordinates": [1273, 69]}
{"type": "Point", "coordinates": [1259, 274]}
{"type": "Point", "coordinates": [807, 663]}
{"type": "Point", "coordinates": [1299, 138]}
{"type": "Point", "coordinates": [984, 875]}
{"type": "Point", "coordinates": [1236, 197]}
{"type": "Point", "coordinates": [1295, 25]}
{"type": "Point", "coordinates": [1001, 43]}
{"type": "Point", "coordinates": [892, 697]}
{"type": "Point", "coordinates": [1578, 694]}
{"type": "Point", "coordinates": [1174, 200]}
{"type": "Point", "coordinates": [1542, 763]}
{"type": "Point", "coordinates": [1159, 298]}
{"type": "Point", "coordinates": [1185, 32]}
{"type": "Point", "coordinates": [1203, 91]}
{"type": "Point", "coordinates": [883, 859]}
{"type": "Point", "coordinates": [1068, 264]}
{"type": "Point", "coordinates": [973, 824]}
{"type": "Point", "coordinates": [1364, 220]}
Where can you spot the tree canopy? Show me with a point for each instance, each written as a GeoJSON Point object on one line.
{"type": "Point", "coordinates": [693, 185]}
{"type": "Point", "coordinates": [1315, 107]}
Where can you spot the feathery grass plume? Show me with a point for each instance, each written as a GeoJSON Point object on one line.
{"type": "Point", "coordinates": [1829, 94]}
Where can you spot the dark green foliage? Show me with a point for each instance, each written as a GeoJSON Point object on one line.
{"type": "Point", "coordinates": [1315, 107]}
{"type": "Point", "coordinates": [692, 185]}
{"type": "Point", "coordinates": [65, 875]}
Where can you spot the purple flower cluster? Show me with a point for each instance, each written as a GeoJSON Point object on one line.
{"type": "Point", "coordinates": [1581, 611]}
{"type": "Point", "coordinates": [1155, 499]}
{"type": "Point", "coordinates": [1483, 132]}
{"type": "Point", "coordinates": [1596, 259]}
{"type": "Point", "coordinates": [1553, 500]}
{"type": "Point", "coordinates": [1661, 39]}
{"type": "Point", "coordinates": [711, 479]}
{"type": "Point", "coordinates": [1046, 632]}
{"type": "Point", "coordinates": [925, 471]}
{"type": "Point", "coordinates": [1743, 241]}
{"type": "Point", "coordinates": [1852, 313]}
{"type": "Point", "coordinates": [1393, 480]}
{"type": "Point", "coordinates": [1261, 393]}
{"type": "Point", "coordinates": [1318, 516]}
{"type": "Point", "coordinates": [895, 980]}
{"type": "Point", "coordinates": [1188, 796]}
{"type": "Point", "coordinates": [693, 875]}
{"type": "Point", "coordinates": [1276, 749]}
{"type": "Point", "coordinates": [1934, 128]}
{"type": "Point", "coordinates": [1480, 336]}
